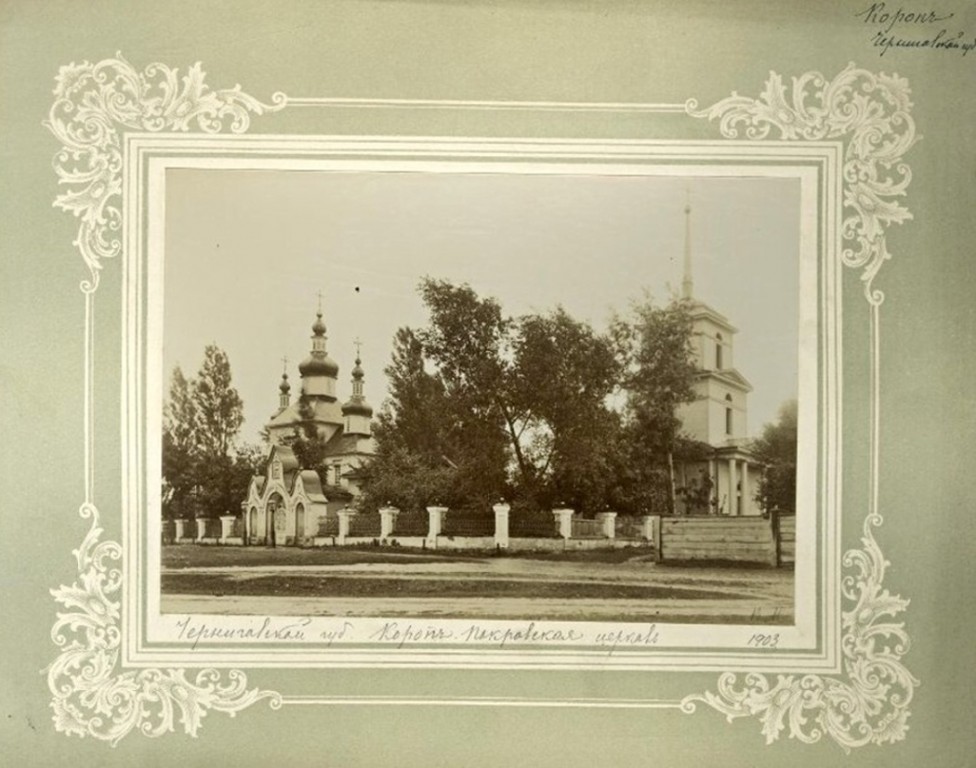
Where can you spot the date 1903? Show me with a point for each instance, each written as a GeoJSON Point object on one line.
{"type": "Point", "coordinates": [764, 640]}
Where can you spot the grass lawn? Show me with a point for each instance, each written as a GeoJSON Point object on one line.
{"type": "Point", "coordinates": [346, 586]}
{"type": "Point", "coordinates": [197, 556]}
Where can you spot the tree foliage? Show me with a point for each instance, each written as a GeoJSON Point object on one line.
{"type": "Point", "coordinates": [205, 472]}
{"type": "Point", "coordinates": [659, 371]}
{"type": "Point", "coordinates": [776, 449]}
{"type": "Point", "coordinates": [307, 443]}
{"type": "Point", "coordinates": [180, 447]}
{"type": "Point", "coordinates": [482, 404]}
{"type": "Point", "coordinates": [219, 410]}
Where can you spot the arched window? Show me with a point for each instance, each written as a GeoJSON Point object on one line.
{"type": "Point", "coordinates": [299, 523]}
{"type": "Point", "coordinates": [728, 414]}
{"type": "Point", "coordinates": [718, 351]}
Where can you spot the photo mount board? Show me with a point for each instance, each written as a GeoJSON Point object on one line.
{"type": "Point", "coordinates": [861, 117]}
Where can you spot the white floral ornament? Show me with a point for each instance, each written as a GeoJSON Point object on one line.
{"type": "Point", "coordinates": [870, 706]}
{"type": "Point", "coordinates": [872, 114]}
{"type": "Point", "coordinates": [89, 697]}
{"type": "Point", "coordinates": [93, 102]}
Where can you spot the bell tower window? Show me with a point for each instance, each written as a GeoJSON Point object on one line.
{"type": "Point", "coordinates": [728, 414]}
{"type": "Point", "coordinates": [718, 351]}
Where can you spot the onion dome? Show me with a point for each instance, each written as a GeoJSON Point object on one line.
{"type": "Point", "coordinates": [357, 405]}
{"type": "Point", "coordinates": [284, 387]}
{"type": "Point", "coordinates": [318, 363]}
{"type": "Point", "coordinates": [318, 327]}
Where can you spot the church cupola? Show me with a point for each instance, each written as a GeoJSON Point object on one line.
{"type": "Point", "coordinates": [357, 412]}
{"type": "Point", "coordinates": [284, 398]}
{"type": "Point", "coordinates": [318, 370]}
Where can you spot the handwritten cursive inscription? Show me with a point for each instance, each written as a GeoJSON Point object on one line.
{"type": "Point", "coordinates": [266, 631]}
{"type": "Point", "coordinates": [628, 638]}
{"type": "Point", "coordinates": [919, 29]}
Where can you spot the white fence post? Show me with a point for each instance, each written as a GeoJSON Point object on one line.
{"type": "Point", "coordinates": [180, 529]}
{"type": "Point", "coordinates": [564, 521]}
{"type": "Point", "coordinates": [435, 521]}
{"type": "Point", "coordinates": [501, 510]}
{"type": "Point", "coordinates": [608, 519]}
{"type": "Point", "coordinates": [227, 527]}
{"type": "Point", "coordinates": [388, 516]}
{"type": "Point", "coordinates": [344, 515]}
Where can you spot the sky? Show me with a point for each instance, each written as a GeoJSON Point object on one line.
{"type": "Point", "coordinates": [247, 253]}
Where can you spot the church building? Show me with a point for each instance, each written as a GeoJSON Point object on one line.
{"type": "Point", "coordinates": [724, 482]}
{"type": "Point", "coordinates": [288, 503]}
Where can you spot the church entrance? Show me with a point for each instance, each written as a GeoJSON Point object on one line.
{"type": "Point", "coordinates": [274, 519]}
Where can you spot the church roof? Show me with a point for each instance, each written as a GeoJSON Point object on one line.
{"type": "Point", "coordinates": [323, 412]}
{"type": "Point", "coordinates": [284, 454]}
{"type": "Point", "coordinates": [342, 443]}
{"type": "Point", "coordinates": [312, 485]}
{"type": "Point", "coordinates": [736, 446]}
{"type": "Point", "coordinates": [728, 376]}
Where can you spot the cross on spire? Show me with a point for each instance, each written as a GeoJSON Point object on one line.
{"type": "Point", "coordinates": [359, 345]}
{"type": "Point", "coordinates": [284, 364]}
{"type": "Point", "coordinates": [320, 302]}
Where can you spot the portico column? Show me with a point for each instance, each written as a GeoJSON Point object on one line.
{"type": "Point", "coordinates": [745, 487]}
{"type": "Point", "coordinates": [733, 499]}
{"type": "Point", "coordinates": [713, 492]}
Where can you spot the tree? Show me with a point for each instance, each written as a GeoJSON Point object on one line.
{"type": "Point", "coordinates": [219, 416]}
{"type": "Point", "coordinates": [307, 443]}
{"type": "Point", "coordinates": [501, 405]}
{"type": "Point", "coordinates": [409, 481]}
{"type": "Point", "coordinates": [205, 474]}
{"type": "Point", "coordinates": [429, 440]}
{"type": "Point", "coordinates": [414, 416]}
{"type": "Point", "coordinates": [219, 409]}
{"type": "Point", "coordinates": [659, 378]}
{"type": "Point", "coordinates": [776, 449]}
{"type": "Point", "coordinates": [180, 448]}
{"type": "Point", "coordinates": [563, 374]}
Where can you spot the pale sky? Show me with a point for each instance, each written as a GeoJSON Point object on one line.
{"type": "Point", "coordinates": [248, 251]}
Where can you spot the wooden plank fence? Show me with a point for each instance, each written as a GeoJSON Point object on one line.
{"type": "Point", "coordinates": [741, 539]}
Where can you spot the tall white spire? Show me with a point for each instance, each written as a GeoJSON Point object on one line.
{"type": "Point", "coordinates": [687, 283]}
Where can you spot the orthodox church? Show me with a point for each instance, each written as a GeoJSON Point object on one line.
{"type": "Point", "coordinates": [724, 481]}
{"type": "Point", "coordinates": [288, 503]}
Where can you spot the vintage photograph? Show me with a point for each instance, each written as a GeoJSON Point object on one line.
{"type": "Point", "coordinates": [480, 395]}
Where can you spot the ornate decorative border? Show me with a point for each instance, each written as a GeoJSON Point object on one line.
{"type": "Point", "coordinates": [95, 103]}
